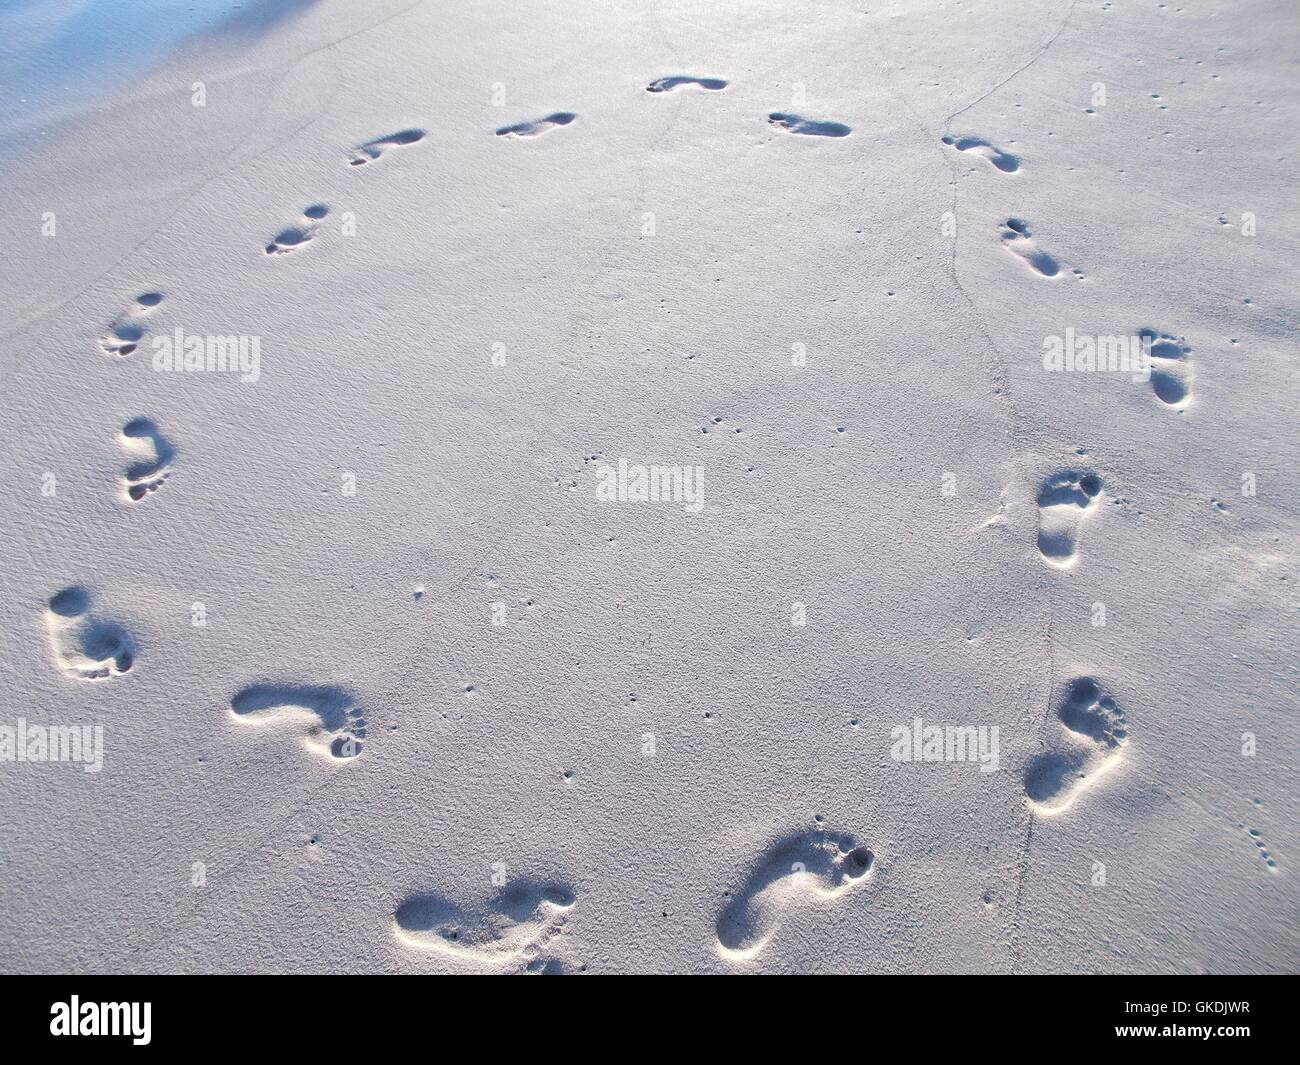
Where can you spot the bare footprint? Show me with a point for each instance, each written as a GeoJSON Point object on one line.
{"type": "Point", "coordinates": [538, 127]}
{"type": "Point", "coordinates": [336, 726]}
{"type": "Point", "coordinates": [806, 126]}
{"type": "Point", "coordinates": [1017, 238]}
{"type": "Point", "coordinates": [372, 150]}
{"type": "Point", "coordinates": [140, 437]}
{"type": "Point", "coordinates": [1095, 733]}
{"type": "Point", "coordinates": [1063, 501]}
{"type": "Point", "coordinates": [999, 157]}
{"type": "Point", "coordinates": [807, 865]}
{"type": "Point", "coordinates": [126, 331]}
{"type": "Point", "coordinates": [296, 236]}
{"type": "Point", "coordinates": [1268, 857]}
{"type": "Point", "coordinates": [1171, 369]}
{"type": "Point", "coordinates": [685, 81]}
{"type": "Point", "coordinates": [84, 646]}
{"type": "Point", "coordinates": [512, 928]}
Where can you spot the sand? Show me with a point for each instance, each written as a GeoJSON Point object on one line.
{"type": "Point", "coordinates": [628, 487]}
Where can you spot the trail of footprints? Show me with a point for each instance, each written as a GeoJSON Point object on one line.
{"type": "Point", "coordinates": [1256, 837]}
{"type": "Point", "coordinates": [1092, 728]}
{"type": "Point", "coordinates": [518, 925]}
{"type": "Point", "coordinates": [1017, 237]}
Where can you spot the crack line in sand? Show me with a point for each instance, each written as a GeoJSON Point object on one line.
{"type": "Point", "coordinates": [221, 173]}
{"type": "Point", "coordinates": [1021, 69]}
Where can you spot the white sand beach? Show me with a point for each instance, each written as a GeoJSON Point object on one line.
{"type": "Point", "coordinates": [649, 487]}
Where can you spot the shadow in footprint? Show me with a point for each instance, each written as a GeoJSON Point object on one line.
{"type": "Point", "coordinates": [1050, 774]}
{"type": "Point", "coordinates": [124, 334]}
{"type": "Point", "coordinates": [1017, 238]}
{"type": "Point", "coordinates": [86, 647]}
{"type": "Point", "coordinates": [806, 126]}
{"type": "Point", "coordinates": [1171, 369]}
{"type": "Point", "coordinates": [681, 81]}
{"type": "Point", "coordinates": [537, 128]}
{"type": "Point", "coordinates": [340, 725]}
{"type": "Point", "coordinates": [294, 237]}
{"type": "Point", "coordinates": [373, 149]}
{"type": "Point", "coordinates": [999, 157]}
{"type": "Point", "coordinates": [1063, 500]}
{"type": "Point", "coordinates": [1088, 711]}
{"type": "Point", "coordinates": [1095, 728]}
{"type": "Point", "coordinates": [515, 924]}
{"type": "Point", "coordinates": [142, 478]}
{"type": "Point", "coordinates": [812, 862]}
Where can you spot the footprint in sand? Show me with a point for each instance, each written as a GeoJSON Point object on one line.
{"type": "Point", "coordinates": [1095, 734]}
{"type": "Point", "coordinates": [141, 438]}
{"type": "Point", "coordinates": [372, 150]}
{"type": "Point", "coordinates": [999, 157]}
{"type": "Point", "coordinates": [512, 928]}
{"type": "Point", "coordinates": [806, 865]}
{"type": "Point", "coordinates": [126, 331]}
{"type": "Point", "coordinates": [1171, 369]}
{"type": "Point", "coordinates": [806, 126]}
{"type": "Point", "coordinates": [1017, 238]}
{"type": "Point", "coordinates": [1063, 501]}
{"type": "Point", "coordinates": [296, 236]}
{"type": "Point", "coordinates": [537, 128]}
{"type": "Point", "coordinates": [1268, 857]}
{"type": "Point", "coordinates": [84, 646]}
{"type": "Point", "coordinates": [685, 81]}
{"type": "Point", "coordinates": [336, 726]}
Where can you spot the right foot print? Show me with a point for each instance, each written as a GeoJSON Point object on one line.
{"type": "Point", "coordinates": [86, 647]}
{"type": "Point", "coordinates": [806, 126]}
{"type": "Point", "coordinates": [999, 157]}
{"type": "Point", "coordinates": [515, 926]}
{"type": "Point", "coordinates": [1017, 238]}
{"type": "Point", "coordinates": [1171, 369]}
{"type": "Point", "coordinates": [1095, 730]}
{"type": "Point", "coordinates": [678, 81]}
{"type": "Point", "coordinates": [1063, 501]}
{"type": "Point", "coordinates": [372, 150]}
{"type": "Point", "coordinates": [812, 863]}
{"type": "Point", "coordinates": [127, 330]}
{"type": "Point", "coordinates": [294, 237]}
{"type": "Point", "coordinates": [336, 725]}
{"type": "Point", "coordinates": [140, 436]}
{"type": "Point", "coordinates": [536, 129]}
